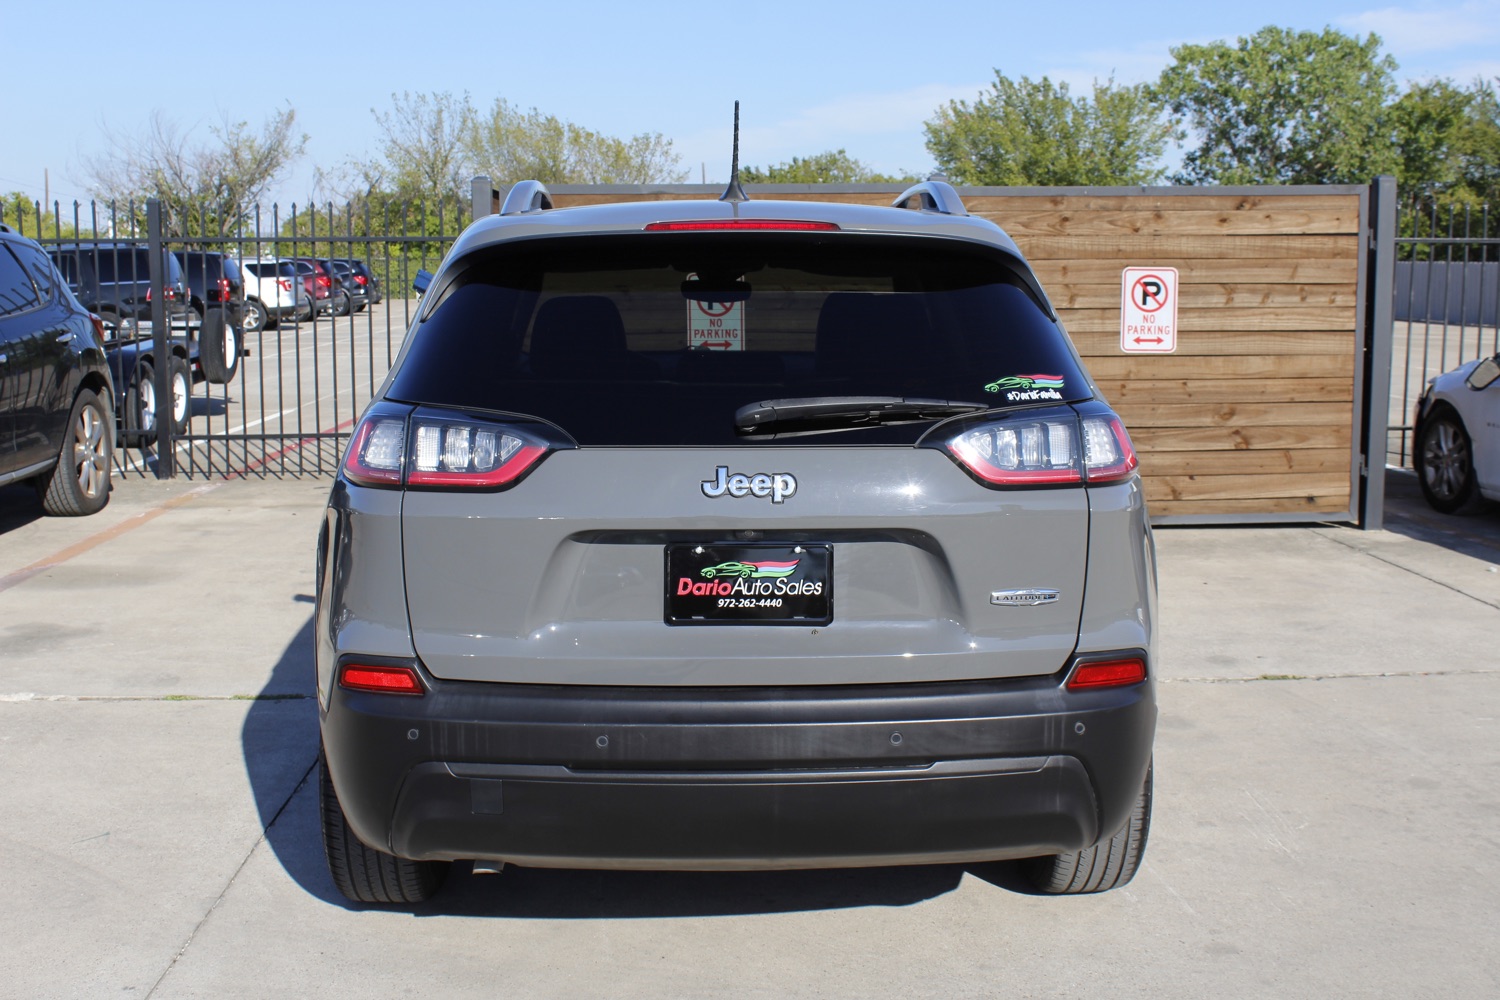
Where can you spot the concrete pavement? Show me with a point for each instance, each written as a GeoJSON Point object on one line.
{"type": "Point", "coordinates": [1325, 816]}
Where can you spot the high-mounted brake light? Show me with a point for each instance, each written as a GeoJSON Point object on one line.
{"type": "Point", "coordinates": [1107, 673]}
{"type": "Point", "coordinates": [743, 225]}
{"type": "Point", "coordinates": [454, 452]}
{"type": "Point", "coordinates": [383, 680]}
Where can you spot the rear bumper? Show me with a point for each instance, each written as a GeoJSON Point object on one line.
{"type": "Point", "coordinates": [553, 776]}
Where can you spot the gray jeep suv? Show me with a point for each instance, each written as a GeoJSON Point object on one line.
{"type": "Point", "coordinates": [735, 535]}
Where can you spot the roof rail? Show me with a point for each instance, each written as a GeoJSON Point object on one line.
{"type": "Point", "coordinates": [527, 196]}
{"type": "Point", "coordinates": [936, 196]}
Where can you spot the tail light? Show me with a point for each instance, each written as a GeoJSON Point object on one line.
{"type": "Point", "coordinates": [440, 451]}
{"type": "Point", "coordinates": [1107, 673]}
{"type": "Point", "coordinates": [1045, 448]}
{"type": "Point", "coordinates": [285, 283]}
{"type": "Point", "coordinates": [224, 289]}
{"type": "Point", "coordinates": [360, 279]}
{"type": "Point", "coordinates": [324, 281]}
{"type": "Point", "coordinates": [99, 330]}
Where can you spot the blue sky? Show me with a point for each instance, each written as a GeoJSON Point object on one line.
{"type": "Point", "coordinates": [810, 75]}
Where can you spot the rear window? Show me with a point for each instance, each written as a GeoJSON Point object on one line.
{"type": "Point", "coordinates": [621, 340]}
{"type": "Point", "coordinates": [272, 269]}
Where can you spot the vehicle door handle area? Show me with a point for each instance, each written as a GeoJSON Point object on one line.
{"type": "Point", "coordinates": [63, 338]}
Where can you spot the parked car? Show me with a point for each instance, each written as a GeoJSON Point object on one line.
{"type": "Point", "coordinates": [1457, 433]}
{"type": "Point", "coordinates": [113, 279]}
{"type": "Point", "coordinates": [274, 291]}
{"type": "Point", "coordinates": [216, 301]}
{"type": "Point", "coordinates": [353, 284]}
{"type": "Point", "coordinates": [324, 285]}
{"type": "Point", "coordinates": [537, 639]}
{"type": "Point", "coordinates": [363, 277]}
{"type": "Point", "coordinates": [56, 396]}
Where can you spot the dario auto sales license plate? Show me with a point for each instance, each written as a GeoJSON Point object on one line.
{"type": "Point", "coordinates": [759, 584]}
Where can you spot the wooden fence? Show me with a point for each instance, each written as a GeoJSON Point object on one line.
{"type": "Point", "coordinates": [1257, 414]}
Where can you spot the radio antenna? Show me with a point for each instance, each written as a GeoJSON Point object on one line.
{"type": "Point", "coordinates": [735, 193]}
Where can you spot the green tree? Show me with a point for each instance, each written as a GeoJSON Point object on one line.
{"type": "Point", "coordinates": [1035, 132]}
{"type": "Point", "coordinates": [422, 142]}
{"type": "Point", "coordinates": [514, 145]}
{"type": "Point", "coordinates": [831, 167]}
{"type": "Point", "coordinates": [1283, 107]}
{"type": "Point", "coordinates": [207, 188]}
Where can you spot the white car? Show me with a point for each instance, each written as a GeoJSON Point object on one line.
{"type": "Point", "coordinates": [1457, 452]}
{"type": "Point", "coordinates": [273, 292]}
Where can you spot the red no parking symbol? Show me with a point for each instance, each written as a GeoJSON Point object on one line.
{"type": "Point", "coordinates": [715, 309]}
{"type": "Point", "coordinates": [1149, 293]}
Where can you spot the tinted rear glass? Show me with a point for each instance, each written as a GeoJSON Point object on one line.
{"type": "Point", "coordinates": [609, 339]}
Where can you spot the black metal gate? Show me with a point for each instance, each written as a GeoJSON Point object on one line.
{"type": "Point", "coordinates": [334, 287]}
{"type": "Point", "coordinates": [1447, 289]}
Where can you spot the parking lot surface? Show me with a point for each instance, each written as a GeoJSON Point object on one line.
{"type": "Point", "coordinates": [1325, 818]}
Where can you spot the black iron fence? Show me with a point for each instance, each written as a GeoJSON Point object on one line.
{"type": "Point", "coordinates": [329, 294]}
{"type": "Point", "coordinates": [1447, 287]}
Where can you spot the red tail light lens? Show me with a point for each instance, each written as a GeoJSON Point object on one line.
{"type": "Point", "coordinates": [383, 680]}
{"type": "Point", "coordinates": [1107, 673]}
{"type": "Point", "coordinates": [285, 283]}
{"type": "Point", "coordinates": [224, 289]}
{"type": "Point", "coordinates": [457, 453]}
{"type": "Point", "coordinates": [742, 226]}
{"type": "Point", "coordinates": [360, 279]}
{"type": "Point", "coordinates": [1047, 448]}
{"type": "Point", "coordinates": [324, 281]}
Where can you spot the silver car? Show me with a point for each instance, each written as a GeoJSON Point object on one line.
{"type": "Point", "coordinates": [735, 535]}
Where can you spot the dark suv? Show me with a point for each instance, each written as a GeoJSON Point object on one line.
{"type": "Point", "coordinates": [364, 287]}
{"type": "Point", "coordinates": [56, 397]}
{"type": "Point", "coordinates": [114, 281]}
{"type": "Point", "coordinates": [735, 534]}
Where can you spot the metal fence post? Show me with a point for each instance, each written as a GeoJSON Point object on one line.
{"type": "Point", "coordinates": [166, 464]}
{"type": "Point", "coordinates": [484, 199]}
{"type": "Point", "coordinates": [1379, 313]}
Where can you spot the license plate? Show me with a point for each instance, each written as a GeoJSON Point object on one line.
{"type": "Point", "coordinates": [744, 584]}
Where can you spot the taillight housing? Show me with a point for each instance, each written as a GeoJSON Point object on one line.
{"type": "Point", "coordinates": [360, 279]}
{"type": "Point", "coordinates": [324, 281]}
{"type": "Point", "coordinates": [224, 289]}
{"type": "Point", "coordinates": [435, 449]}
{"type": "Point", "coordinates": [285, 283]}
{"type": "Point", "coordinates": [1052, 446]}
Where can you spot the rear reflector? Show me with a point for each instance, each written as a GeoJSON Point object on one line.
{"type": "Point", "coordinates": [743, 225]}
{"type": "Point", "coordinates": [385, 680]}
{"type": "Point", "coordinates": [1107, 673]}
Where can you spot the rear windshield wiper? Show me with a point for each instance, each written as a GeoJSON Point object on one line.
{"type": "Point", "coordinates": [844, 412]}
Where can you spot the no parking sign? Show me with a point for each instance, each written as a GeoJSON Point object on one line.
{"type": "Point", "coordinates": [716, 326]}
{"type": "Point", "coordinates": [1148, 310]}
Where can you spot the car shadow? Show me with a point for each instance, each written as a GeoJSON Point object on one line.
{"type": "Point", "coordinates": [19, 506]}
{"type": "Point", "coordinates": [1475, 534]}
{"type": "Point", "coordinates": [280, 738]}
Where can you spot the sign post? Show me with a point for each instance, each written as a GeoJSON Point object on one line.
{"type": "Point", "coordinates": [1148, 310]}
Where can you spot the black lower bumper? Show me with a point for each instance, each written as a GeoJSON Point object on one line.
{"type": "Point", "coordinates": [738, 778]}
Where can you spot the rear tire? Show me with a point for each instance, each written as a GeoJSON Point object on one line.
{"type": "Point", "coordinates": [1107, 865]}
{"type": "Point", "coordinates": [79, 483]}
{"type": "Point", "coordinates": [362, 873]}
{"type": "Point", "coordinates": [253, 318]}
{"type": "Point", "coordinates": [140, 407]}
